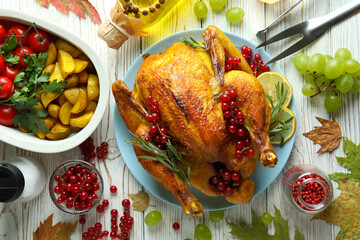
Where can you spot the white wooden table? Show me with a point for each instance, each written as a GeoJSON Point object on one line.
{"type": "Point", "coordinates": [19, 221]}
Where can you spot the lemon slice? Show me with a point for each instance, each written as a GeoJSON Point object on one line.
{"type": "Point", "coordinates": [269, 1]}
{"type": "Point", "coordinates": [268, 81]}
{"type": "Point", "coordinates": [283, 115]}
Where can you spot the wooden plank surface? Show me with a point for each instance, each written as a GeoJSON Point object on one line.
{"type": "Point", "coordinates": [19, 221]}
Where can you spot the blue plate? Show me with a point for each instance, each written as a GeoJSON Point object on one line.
{"type": "Point", "coordinates": [262, 177]}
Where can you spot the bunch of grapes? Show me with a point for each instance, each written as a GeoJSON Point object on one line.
{"type": "Point", "coordinates": [233, 15]}
{"type": "Point", "coordinates": [333, 76]}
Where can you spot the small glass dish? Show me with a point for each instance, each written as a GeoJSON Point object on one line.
{"type": "Point", "coordinates": [85, 182]}
{"type": "Point", "coordinates": [307, 189]}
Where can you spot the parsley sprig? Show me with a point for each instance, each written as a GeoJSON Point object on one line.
{"type": "Point", "coordinates": [277, 126]}
{"type": "Point", "coordinates": [169, 158]}
{"type": "Point", "coordinates": [192, 43]}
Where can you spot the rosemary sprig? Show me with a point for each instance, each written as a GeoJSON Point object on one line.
{"type": "Point", "coordinates": [170, 161]}
{"type": "Point", "coordinates": [277, 126]}
{"type": "Point", "coordinates": [192, 43]}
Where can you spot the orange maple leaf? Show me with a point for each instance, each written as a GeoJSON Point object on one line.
{"type": "Point", "coordinates": [60, 231]}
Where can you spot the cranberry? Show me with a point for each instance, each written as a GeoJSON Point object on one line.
{"type": "Point", "coordinates": [85, 235]}
{"type": "Point", "coordinates": [241, 132]}
{"type": "Point", "coordinates": [126, 203]}
{"type": "Point", "coordinates": [235, 176]}
{"type": "Point", "coordinates": [232, 129]}
{"type": "Point", "coordinates": [250, 152]}
{"type": "Point", "coordinates": [82, 220]}
{"type": "Point", "coordinates": [114, 228]}
{"type": "Point", "coordinates": [233, 104]}
{"type": "Point", "coordinates": [150, 98]}
{"type": "Point", "coordinates": [238, 153]}
{"type": "Point", "coordinates": [57, 178]}
{"type": "Point", "coordinates": [113, 235]}
{"type": "Point", "coordinates": [153, 129]}
{"type": "Point", "coordinates": [227, 114]}
{"type": "Point", "coordinates": [237, 60]}
{"type": "Point", "coordinates": [113, 189]}
{"type": "Point", "coordinates": [226, 176]}
{"type": "Point", "coordinates": [232, 121]}
{"type": "Point", "coordinates": [247, 142]}
{"type": "Point", "coordinates": [105, 233]}
{"type": "Point", "coordinates": [149, 118]}
{"type": "Point", "coordinates": [244, 49]}
{"type": "Point", "coordinates": [239, 115]}
{"type": "Point", "coordinates": [155, 116]}
{"type": "Point", "coordinates": [105, 202]}
{"type": "Point", "coordinates": [228, 191]}
{"type": "Point", "coordinates": [114, 212]}
{"type": "Point", "coordinates": [240, 144]}
{"type": "Point", "coordinates": [114, 220]}
{"type": "Point", "coordinates": [228, 67]}
{"type": "Point", "coordinates": [220, 186]}
{"type": "Point", "coordinates": [230, 60]}
{"type": "Point", "coordinates": [164, 139]}
{"type": "Point", "coordinates": [257, 57]}
{"type": "Point", "coordinates": [214, 180]}
{"type": "Point", "coordinates": [176, 226]}
{"type": "Point", "coordinates": [225, 106]}
{"type": "Point", "coordinates": [225, 98]}
{"type": "Point", "coordinates": [154, 108]}
{"type": "Point", "coordinates": [98, 226]}
{"type": "Point", "coordinates": [155, 102]}
{"type": "Point", "coordinates": [57, 190]}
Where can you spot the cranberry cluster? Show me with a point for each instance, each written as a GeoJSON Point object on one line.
{"type": "Point", "coordinates": [225, 181]}
{"type": "Point", "coordinates": [157, 134]}
{"type": "Point", "coordinates": [311, 192]}
{"type": "Point", "coordinates": [232, 64]}
{"type": "Point", "coordinates": [88, 150]}
{"type": "Point", "coordinates": [235, 124]}
{"type": "Point", "coordinates": [95, 232]}
{"type": "Point", "coordinates": [77, 187]}
{"type": "Point", "coordinates": [126, 222]}
{"type": "Point", "coordinates": [101, 207]}
{"type": "Point", "coordinates": [256, 64]}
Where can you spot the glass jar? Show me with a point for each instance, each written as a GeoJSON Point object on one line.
{"type": "Point", "coordinates": [307, 189]}
{"type": "Point", "coordinates": [73, 185]}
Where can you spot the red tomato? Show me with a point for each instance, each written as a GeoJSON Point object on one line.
{"type": "Point", "coordinates": [19, 30]}
{"type": "Point", "coordinates": [7, 113]}
{"type": "Point", "coordinates": [10, 72]}
{"type": "Point", "coordinates": [2, 63]}
{"type": "Point", "coordinates": [39, 42]}
{"type": "Point", "coordinates": [23, 53]}
{"type": "Point", "coordinates": [2, 32]}
{"type": "Point", "coordinates": [6, 87]}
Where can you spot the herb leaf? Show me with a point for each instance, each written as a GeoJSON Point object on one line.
{"type": "Point", "coordinates": [10, 58]}
{"type": "Point", "coordinates": [53, 86]}
{"type": "Point", "coordinates": [170, 161]}
{"type": "Point", "coordinates": [192, 43]}
{"type": "Point", "coordinates": [9, 45]}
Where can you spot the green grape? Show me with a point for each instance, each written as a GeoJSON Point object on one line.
{"type": "Point", "coordinates": [216, 216]}
{"type": "Point", "coordinates": [301, 62]}
{"type": "Point", "coordinates": [317, 63]}
{"type": "Point", "coordinates": [356, 86]}
{"type": "Point", "coordinates": [266, 218]}
{"type": "Point", "coordinates": [200, 9]}
{"type": "Point", "coordinates": [334, 68]}
{"type": "Point", "coordinates": [322, 81]}
{"type": "Point", "coordinates": [352, 66]}
{"type": "Point", "coordinates": [202, 232]}
{"type": "Point", "coordinates": [309, 78]}
{"type": "Point", "coordinates": [344, 83]}
{"type": "Point", "coordinates": [234, 14]}
{"type": "Point", "coordinates": [308, 89]}
{"type": "Point", "coordinates": [332, 102]}
{"type": "Point", "coordinates": [217, 4]}
{"type": "Point", "coordinates": [187, 239]}
{"type": "Point", "coordinates": [153, 218]}
{"type": "Point", "coordinates": [343, 53]}
{"type": "Point", "coordinates": [356, 74]}
{"type": "Point", "coordinates": [328, 57]}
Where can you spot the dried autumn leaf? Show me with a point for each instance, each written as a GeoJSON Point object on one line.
{"type": "Point", "coordinates": [79, 7]}
{"type": "Point", "coordinates": [140, 200]}
{"type": "Point", "coordinates": [328, 135]}
{"type": "Point", "coordinates": [344, 211]}
{"type": "Point", "coordinates": [60, 231]}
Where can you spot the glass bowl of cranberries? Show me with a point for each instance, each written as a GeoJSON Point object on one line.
{"type": "Point", "coordinates": [76, 187]}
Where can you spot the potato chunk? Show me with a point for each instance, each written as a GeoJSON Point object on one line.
{"type": "Point", "coordinates": [82, 121]}
{"type": "Point", "coordinates": [66, 63]}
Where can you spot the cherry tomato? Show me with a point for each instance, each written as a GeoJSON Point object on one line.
{"type": "Point", "coordinates": [2, 63]}
{"type": "Point", "coordinates": [7, 113]}
{"type": "Point", "coordinates": [39, 42]}
{"type": "Point", "coordinates": [2, 32]}
{"type": "Point", "coordinates": [10, 72]}
{"type": "Point", "coordinates": [5, 88]}
{"type": "Point", "coordinates": [19, 30]}
{"type": "Point", "coordinates": [23, 53]}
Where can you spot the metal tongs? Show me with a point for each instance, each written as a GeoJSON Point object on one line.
{"type": "Point", "coordinates": [311, 29]}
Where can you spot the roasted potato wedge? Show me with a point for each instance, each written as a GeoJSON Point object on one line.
{"type": "Point", "coordinates": [62, 99]}
{"type": "Point", "coordinates": [91, 106]}
{"type": "Point", "coordinates": [59, 131]}
{"type": "Point", "coordinates": [50, 123]}
{"type": "Point", "coordinates": [82, 121]}
{"type": "Point", "coordinates": [48, 97]}
{"type": "Point", "coordinates": [49, 68]}
{"type": "Point", "coordinates": [93, 87]}
{"type": "Point", "coordinates": [64, 113]}
{"type": "Point", "coordinates": [80, 65]}
{"type": "Point", "coordinates": [52, 54]}
{"type": "Point", "coordinates": [90, 67]}
{"type": "Point", "coordinates": [83, 77]}
{"type": "Point", "coordinates": [65, 46]}
{"type": "Point", "coordinates": [56, 74]}
{"type": "Point", "coordinates": [80, 103]}
{"type": "Point", "coordinates": [72, 81]}
{"type": "Point", "coordinates": [72, 94]}
{"type": "Point", "coordinates": [53, 110]}
{"type": "Point", "coordinates": [66, 63]}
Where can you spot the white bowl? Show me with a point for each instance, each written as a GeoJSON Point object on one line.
{"type": "Point", "coordinates": [31, 142]}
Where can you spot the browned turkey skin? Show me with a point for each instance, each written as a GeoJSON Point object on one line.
{"type": "Point", "coordinates": [187, 83]}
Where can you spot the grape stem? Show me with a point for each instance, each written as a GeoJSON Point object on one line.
{"type": "Point", "coordinates": [319, 90]}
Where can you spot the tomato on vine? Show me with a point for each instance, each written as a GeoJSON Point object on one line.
{"type": "Point", "coordinates": [7, 114]}
{"type": "Point", "coordinates": [19, 31]}
{"type": "Point", "coordinates": [2, 64]}
{"type": "Point", "coordinates": [23, 53]}
{"type": "Point", "coordinates": [39, 41]}
{"type": "Point", "coordinates": [2, 32]}
{"type": "Point", "coordinates": [10, 72]}
{"type": "Point", "coordinates": [6, 87]}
